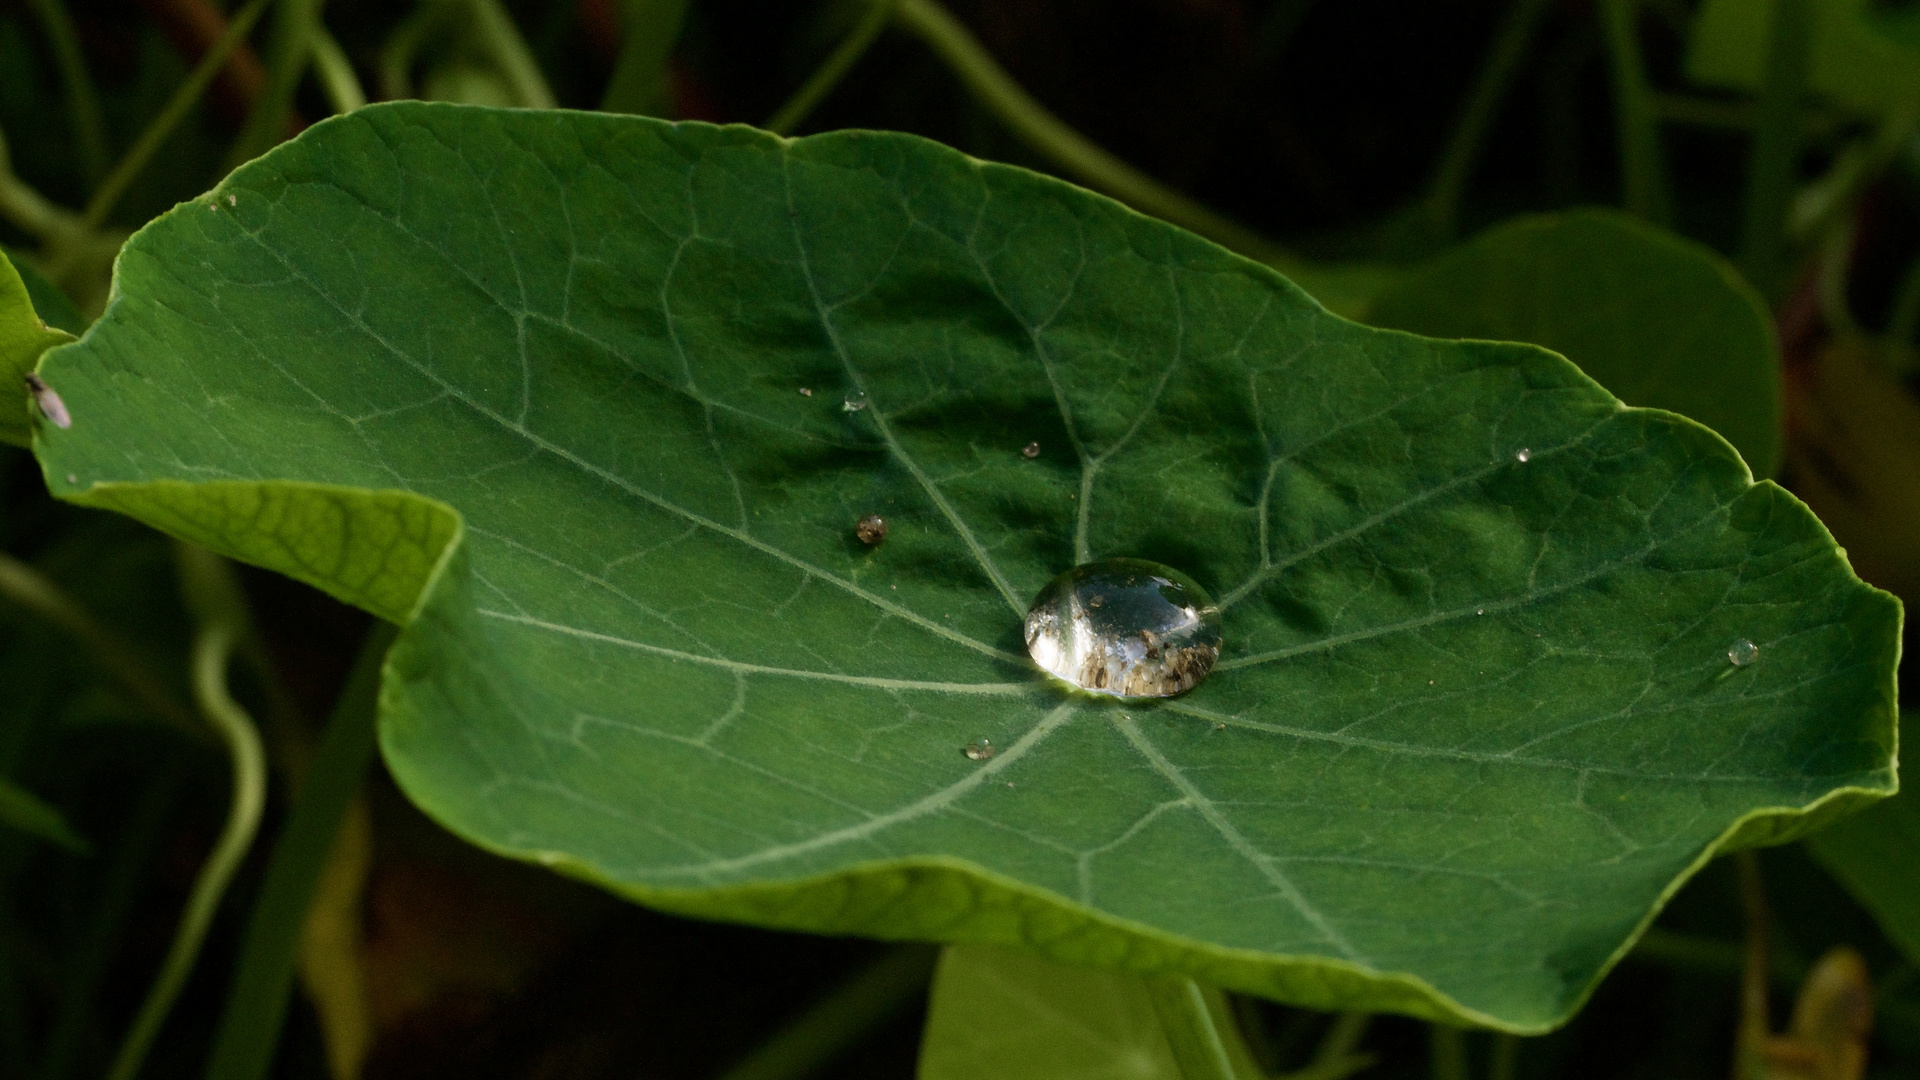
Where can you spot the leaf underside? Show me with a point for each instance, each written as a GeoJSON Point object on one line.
{"type": "Point", "coordinates": [565, 393]}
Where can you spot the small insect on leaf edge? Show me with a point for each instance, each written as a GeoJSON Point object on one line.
{"type": "Point", "coordinates": [51, 407]}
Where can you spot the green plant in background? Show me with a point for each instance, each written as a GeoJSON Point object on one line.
{"type": "Point", "coordinates": [583, 409]}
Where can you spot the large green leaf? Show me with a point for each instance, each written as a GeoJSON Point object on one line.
{"type": "Point", "coordinates": [1876, 854]}
{"type": "Point", "coordinates": [1861, 59]}
{"type": "Point", "coordinates": [23, 337]}
{"type": "Point", "coordinates": [1660, 321]}
{"type": "Point", "coordinates": [532, 385]}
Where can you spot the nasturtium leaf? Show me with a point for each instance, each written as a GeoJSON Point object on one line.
{"type": "Point", "coordinates": [1661, 321]}
{"type": "Point", "coordinates": [1876, 855]}
{"type": "Point", "coordinates": [23, 337]}
{"type": "Point", "coordinates": [1861, 59]}
{"type": "Point", "coordinates": [52, 305]}
{"type": "Point", "coordinates": [566, 395]}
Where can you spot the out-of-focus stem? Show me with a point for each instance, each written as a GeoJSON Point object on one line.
{"type": "Point", "coordinates": [1776, 145]}
{"type": "Point", "coordinates": [510, 54]}
{"type": "Point", "coordinates": [83, 102]}
{"type": "Point", "coordinates": [1749, 1064]}
{"type": "Point", "coordinates": [1478, 113]}
{"type": "Point", "coordinates": [838, 1021]}
{"type": "Point", "coordinates": [1642, 166]}
{"type": "Point", "coordinates": [337, 77]}
{"type": "Point", "coordinates": [828, 74]}
{"type": "Point", "coordinates": [293, 27]}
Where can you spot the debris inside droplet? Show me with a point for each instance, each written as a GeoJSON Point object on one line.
{"type": "Point", "coordinates": [1743, 652]}
{"type": "Point", "coordinates": [806, 392]}
{"type": "Point", "coordinates": [1523, 455]}
{"type": "Point", "coordinates": [1219, 727]}
{"type": "Point", "coordinates": [979, 751]}
{"type": "Point", "coordinates": [233, 200]}
{"type": "Point", "coordinates": [1031, 450]}
{"type": "Point", "coordinates": [856, 400]}
{"type": "Point", "coordinates": [1125, 627]}
{"type": "Point", "coordinates": [49, 402]}
{"type": "Point", "coordinates": [871, 530]}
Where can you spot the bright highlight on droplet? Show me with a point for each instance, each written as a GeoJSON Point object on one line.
{"type": "Point", "coordinates": [1523, 455]}
{"type": "Point", "coordinates": [1125, 627]}
{"type": "Point", "coordinates": [1743, 652]}
{"type": "Point", "coordinates": [855, 401]}
{"type": "Point", "coordinates": [979, 751]}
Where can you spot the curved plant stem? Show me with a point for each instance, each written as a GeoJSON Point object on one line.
{"type": "Point", "coordinates": [1478, 113]}
{"type": "Point", "coordinates": [510, 54]}
{"type": "Point", "coordinates": [403, 47]}
{"type": "Point", "coordinates": [90, 132]}
{"type": "Point", "coordinates": [107, 195]}
{"type": "Point", "coordinates": [836, 1023]}
{"type": "Point", "coordinates": [30, 589]}
{"type": "Point", "coordinates": [648, 29]}
{"type": "Point", "coordinates": [1755, 1025]}
{"type": "Point", "coordinates": [213, 647]}
{"type": "Point", "coordinates": [337, 78]}
{"type": "Point", "coordinates": [1776, 145]}
{"type": "Point", "coordinates": [1642, 165]}
{"type": "Point", "coordinates": [828, 75]}
{"type": "Point", "coordinates": [27, 209]}
{"type": "Point", "coordinates": [257, 1000]}
{"type": "Point", "coordinates": [1200, 1031]}
{"type": "Point", "coordinates": [293, 29]}
{"type": "Point", "coordinates": [1071, 151]}
{"type": "Point", "coordinates": [1448, 1046]}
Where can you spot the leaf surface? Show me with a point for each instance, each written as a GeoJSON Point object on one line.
{"type": "Point", "coordinates": [1876, 855]}
{"type": "Point", "coordinates": [532, 385]}
{"type": "Point", "coordinates": [1661, 321]}
{"type": "Point", "coordinates": [23, 337]}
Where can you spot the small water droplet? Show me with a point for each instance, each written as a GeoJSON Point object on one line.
{"type": "Point", "coordinates": [856, 400]}
{"type": "Point", "coordinates": [72, 479]}
{"type": "Point", "coordinates": [1219, 727]}
{"type": "Point", "coordinates": [979, 751]}
{"type": "Point", "coordinates": [1031, 450]}
{"type": "Point", "coordinates": [1523, 455]}
{"type": "Point", "coordinates": [1125, 627]}
{"type": "Point", "coordinates": [1743, 652]}
{"type": "Point", "coordinates": [871, 530]}
{"type": "Point", "coordinates": [806, 392]}
{"type": "Point", "coordinates": [233, 200]}
{"type": "Point", "coordinates": [1480, 611]}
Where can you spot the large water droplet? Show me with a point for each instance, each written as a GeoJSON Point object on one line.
{"type": "Point", "coordinates": [1523, 455]}
{"type": "Point", "coordinates": [1125, 627]}
{"type": "Point", "coordinates": [855, 401]}
{"type": "Point", "coordinates": [1743, 652]}
{"type": "Point", "coordinates": [981, 750]}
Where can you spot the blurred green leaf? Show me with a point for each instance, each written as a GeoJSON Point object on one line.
{"type": "Point", "coordinates": [1860, 61]}
{"type": "Point", "coordinates": [1876, 855]}
{"type": "Point", "coordinates": [1010, 1014]}
{"type": "Point", "coordinates": [1661, 321]}
{"type": "Point", "coordinates": [23, 337]}
{"type": "Point", "coordinates": [23, 810]}
{"type": "Point", "coordinates": [48, 301]}
{"type": "Point", "coordinates": [532, 385]}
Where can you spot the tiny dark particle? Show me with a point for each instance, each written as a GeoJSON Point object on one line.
{"type": "Point", "coordinates": [871, 530]}
{"type": "Point", "coordinates": [1032, 449]}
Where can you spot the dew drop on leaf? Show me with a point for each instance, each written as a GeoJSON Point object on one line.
{"type": "Point", "coordinates": [979, 751]}
{"type": "Point", "coordinates": [1032, 449]}
{"type": "Point", "coordinates": [871, 530]}
{"type": "Point", "coordinates": [1743, 652]}
{"type": "Point", "coordinates": [855, 401]}
{"type": "Point", "coordinates": [1523, 455]}
{"type": "Point", "coordinates": [806, 391]}
{"type": "Point", "coordinates": [1125, 627]}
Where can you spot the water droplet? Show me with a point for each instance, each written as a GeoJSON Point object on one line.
{"type": "Point", "coordinates": [871, 530]}
{"type": "Point", "coordinates": [979, 751]}
{"type": "Point", "coordinates": [1743, 652]}
{"type": "Point", "coordinates": [1480, 611]}
{"type": "Point", "coordinates": [1125, 627]}
{"type": "Point", "coordinates": [1523, 455]}
{"type": "Point", "coordinates": [856, 400]}
{"type": "Point", "coordinates": [1031, 450]}
{"type": "Point", "coordinates": [72, 479]}
{"type": "Point", "coordinates": [233, 200]}
{"type": "Point", "coordinates": [806, 392]}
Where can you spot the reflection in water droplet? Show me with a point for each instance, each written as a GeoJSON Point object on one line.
{"type": "Point", "coordinates": [871, 529]}
{"type": "Point", "coordinates": [1743, 652]}
{"type": "Point", "coordinates": [979, 751]}
{"type": "Point", "coordinates": [806, 391]}
{"type": "Point", "coordinates": [1523, 456]}
{"type": "Point", "coordinates": [1032, 449]}
{"type": "Point", "coordinates": [856, 400]}
{"type": "Point", "coordinates": [1125, 627]}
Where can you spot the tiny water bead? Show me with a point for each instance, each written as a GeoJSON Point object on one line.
{"type": "Point", "coordinates": [979, 751]}
{"type": "Point", "coordinates": [1743, 652]}
{"type": "Point", "coordinates": [1031, 450]}
{"type": "Point", "coordinates": [1125, 627]}
{"type": "Point", "coordinates": [871, 530]}
{"type": "Point", "coordinates": [1523, 455]}
{"type": "Point", "coordinates": [855, 401]}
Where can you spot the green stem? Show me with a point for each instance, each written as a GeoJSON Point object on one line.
{"type": "Point", "coordinates": [1336, 1057]}
{"type": "Point", "coordinates": [648, 29]}
{"type": "Point", "coordinates": [829, 74]}
{"type": "Point", "coordinates": [1448, 1046]}
{"type": "Point", "coordinates": [212, 648]}
{"type": "Point", "coordinates": [292, 51]}
{"type": "Point", "coordinates": [108, 193]}
{"type": "Point", "coordinates": [119, 887]}
{"type": "Point", "coordinates": [1835, 270]}
{"type": "Point", "coordinates": [1855, 169]}
{"type": "Point", "coordinates": [27, 209]}
{"type": "Point", "coordinates": [257, 1001]}
{"type": "Point", "coordinates": [337, 78]}
{"type": "Point", "coordinates": [1905, 320]}
{"type": "Point", "coordinates": [1066, 148]}
{"type": "Point", "coordinates": [1200, 1030]}
{"type": "Point", "coordinates": [1506, 1057]}
{"type": "Point", "coordinates": [1776, 145]}
{"type": "Point", "coordinates": [34, 591]}
{"type": "Point", "coordinates": [845, 1016]}
{"type": "Point", "coordinates": [1642, 168]}
{"type": "Point", "coordinates": [1755, 1025]}
{"type": "Point", "coordinates": [1478, 113]}
{"type": "Point", "coordinates": [510, 54]}
{"type": "Point", "coordinates": [83, 102]}
{"type": "Point", "coordinates": [403, 47]}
